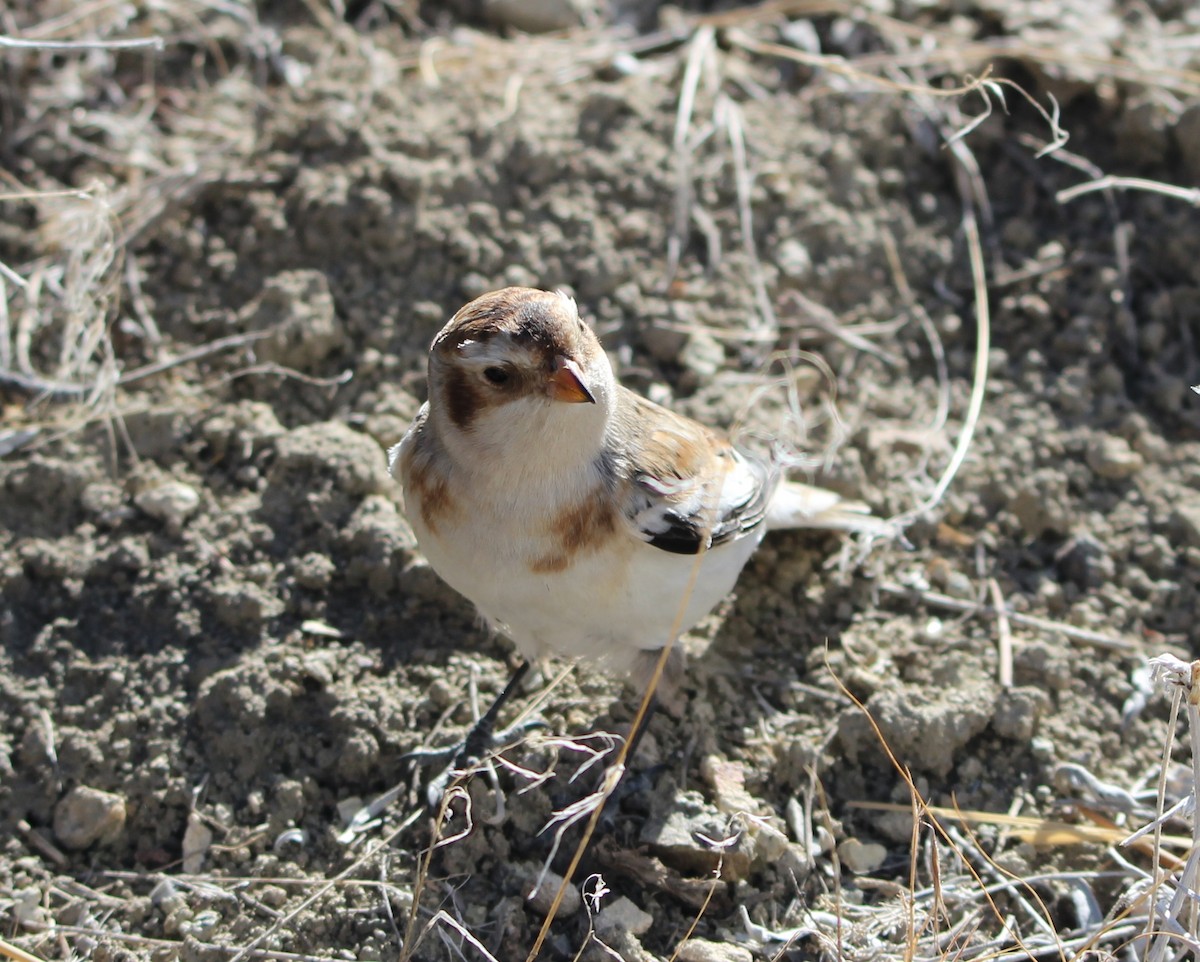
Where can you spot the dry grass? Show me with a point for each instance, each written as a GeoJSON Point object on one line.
{"type": "Point", "coordinates": [959, 901]}
{"type": "Point", "coordinates": [57, 310]}
{"type": "Point", "coordinates": [69, 294]}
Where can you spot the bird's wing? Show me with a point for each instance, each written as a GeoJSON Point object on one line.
{"type": "Point", "coordinates": [684, 488]}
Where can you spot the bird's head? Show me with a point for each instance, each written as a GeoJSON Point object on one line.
{"type": "Point", "coordinates": [516, 374]}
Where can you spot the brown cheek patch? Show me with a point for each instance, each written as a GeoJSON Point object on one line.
{"type": "Point", "coordinates": [462, 397]}
{"type": "Point", "coordinates": [579, 529]}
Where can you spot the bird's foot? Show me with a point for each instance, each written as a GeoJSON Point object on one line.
{"type": "Point", "coordinates": [464, 757]}
{"type": "Point", "coordinates": [481, 742]}
{"type": "Point", "coordinates": [469, 754]}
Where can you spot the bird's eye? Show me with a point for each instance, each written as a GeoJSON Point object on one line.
{"type": "Point", "coordinates": [496, 375]}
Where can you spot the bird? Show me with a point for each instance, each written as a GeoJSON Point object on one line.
{"type": "Point", "coordinates": [580, 518]}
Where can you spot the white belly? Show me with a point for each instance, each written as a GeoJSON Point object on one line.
{"type": "Point", "coordinates": [607, 606]}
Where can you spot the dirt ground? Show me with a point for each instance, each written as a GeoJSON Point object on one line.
{"type": "Point", "coordinates": [219, 638]}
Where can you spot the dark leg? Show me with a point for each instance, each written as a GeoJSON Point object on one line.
{"type": "Point", "coordinates": [483, 736]}
{"type": "Point", "coordinates": [479, 741]}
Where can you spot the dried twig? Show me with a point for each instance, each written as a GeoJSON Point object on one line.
{"type": "Point", "coordinates": [974, 196]}
{"type": "Point", "coordinates": [729, 115]}
{"type": "Point", "coordinates": [1190, 195]}
{"type": "Point", "coordinates": [699, 50]}
{"type": "Point", "coordinates": [17, 954]}
{"type": "Point", "coordinates": [37, 841]}
{"type": "Point", "coordinates": [1005, 646]}
{"type": "Point", "coordinates": [1082, 635]}
{"type": "Point", "coordinates": [66, 46]}
{"type": "Point", "coordinates": [1175, 921]}
{"type": "Point", "coordinates": [444, 918]}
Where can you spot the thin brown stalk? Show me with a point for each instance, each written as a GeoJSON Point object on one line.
{"type": "Point", "coordinates": [17, 954]}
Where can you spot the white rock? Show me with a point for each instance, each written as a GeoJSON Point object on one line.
{"type": "Point", "coordinates": [172, 502]}
{"type": "Point", "coordinates": [861, 858]}
{"type": "Point", "coordinates": [541, 899]}
{"type": "Point", "coordinates": [701, 950]}
{"type": "Point", "coordinates": [27, 909]}
{"type": "Point", "coordinates": [623, 916]}
{"type": "Point", "coordinates": [86, 815]}
{"type": "Point", "coordinates": [793, 259]}
{"type": "Point", "coordinates": [537, 16]}
{"type": "Point", "coordinates": [702, 353]}
{"type": "Point", "coordinates": [1186, 518]}
{"type": "Point", "coordinates": [197, 838]}
{"type": "Point", "coordinates": [728, 781]}
{"type": "Point", "coordinates": [1111, 457]}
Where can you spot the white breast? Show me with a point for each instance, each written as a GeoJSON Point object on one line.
{"type": "Point", "coordinates": [608, 606]}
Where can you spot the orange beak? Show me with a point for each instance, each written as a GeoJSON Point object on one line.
{"type": "Point", "coordinates": [566, 383]}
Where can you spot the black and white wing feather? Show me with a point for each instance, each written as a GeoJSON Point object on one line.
{"type": "Point", "coordinates": [685, 489]}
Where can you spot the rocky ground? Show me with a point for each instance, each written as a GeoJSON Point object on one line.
{"type": "Point", "coordinates": [223, 263]}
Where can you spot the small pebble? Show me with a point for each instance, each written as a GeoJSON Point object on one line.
{"type": "Point", "coordinates": [861, 858]}
{"type": "Point", "coordinates": [770, 842]}
{"type": "Point", "coordinates": [1111, 457]}
{"type": "Point", "coordinates": [728, 781]}
{"type": "Point", "coordinates": [201, 924]}
{"type": "Point", "coordinates": [197, 838]}
{"type": "Point", "coordinates": [702, 354]}
{"type": "Point", "coordinates": [172, 502]}
{"type": "Point", "coordinates": [25, 906]}
{"type": "Point", "coordinates": [102, 500]}
{"type": "Point", "coordinates": [541, 899]}
{"type": "Point", "coordinates": [273, 896]}
{"type": "Point", "coordinates": [534, 16]}
{"type": "Point", "coordinates": [86, 815]}
{"type": "Point", "coordinates": [1186, 519]}
{"type": "Point", "coordinates": [793, 260]}
{"type": "Point", "coordinates": [701, 950]}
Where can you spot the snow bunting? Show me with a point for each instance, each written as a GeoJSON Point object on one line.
{"type": "Point", "coordinates": [569, 509]}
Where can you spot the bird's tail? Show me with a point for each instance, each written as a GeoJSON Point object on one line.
{"type": "Point", "coordinates": [796, 505]}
